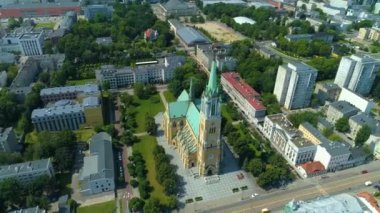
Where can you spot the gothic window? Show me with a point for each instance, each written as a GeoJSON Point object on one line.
{"type": "Point", "coordinates": [174, 125]}
{"type": "Point", "coordinates": [213, 109]}
{"type": "Point", "coordinates": [181, 123]}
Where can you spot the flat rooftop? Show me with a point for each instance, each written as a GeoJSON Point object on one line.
{"type": "Point", "coordinates": [87, 88]}
{"type": "Point", "coordinates": [14, 169]}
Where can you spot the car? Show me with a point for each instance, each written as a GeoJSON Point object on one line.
{"type": "Point", "coordinates": [256, 194]}
{"type": "Point", "coordinates": [368, 183]}
{"type": "Point", "coordinates": [364, 171]}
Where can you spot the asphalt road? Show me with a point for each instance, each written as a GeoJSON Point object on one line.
{"type": "Point", "coordinates": [349, 181]}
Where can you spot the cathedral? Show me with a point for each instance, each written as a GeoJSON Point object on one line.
{"type": "Point", "coordinates": [193, 127]}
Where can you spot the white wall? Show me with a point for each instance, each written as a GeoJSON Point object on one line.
{"type": "Point", "coordinates": [359, 102]}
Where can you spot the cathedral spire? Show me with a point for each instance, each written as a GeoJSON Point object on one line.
{"type": "Point", "coordinates": [212, 88]}
{"type": "Point", "coordinates": [191, 92]}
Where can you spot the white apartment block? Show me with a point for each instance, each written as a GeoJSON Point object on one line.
{"type": "Point", "coordinates": [357, 73]}
{"type": "Point", "coordinates": [294, 85]}
{"type": "Point", "coordinates": [145, 72]}
{"type": "Point", "coordinates": [26, 40]}
{"type": "Point", "coordinates": [288, 140]}
{"type": "Point", "coordinates": [333, 155]}
{"type": "Point", "coordinates": [356, 100]}
{"type": "Point", "coordinates": [247, 99]}
{"type": "Point", "coordinates": [27, 171]}
{"type": "Point", "coordinates": [68, 93]}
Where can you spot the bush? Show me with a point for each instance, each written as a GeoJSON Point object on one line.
{"type": "Point", "coordinates": [134, 183]}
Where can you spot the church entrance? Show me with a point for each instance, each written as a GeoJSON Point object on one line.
{"type": "Point", "coordinates": [192, 164]}
{"type": "Point", "coordinates": [209, 172]}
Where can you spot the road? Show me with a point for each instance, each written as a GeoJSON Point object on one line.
{"type": "Point", "coordinates": [350, 181]}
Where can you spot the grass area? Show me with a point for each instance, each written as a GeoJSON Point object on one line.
{"type": "Point", "coordinates": [80, 82]}
{"type": "Point", "coordinates": [84, 134]}
{"type": "Point", "coordinates": [98, 208]}
{"type": "Point", "coordinates": [145, 147]}
{"type": "Point", "coordinates": [151, 106]}
{"type": "Point", "coordinates": [46, 25]}
{"type": "Point", "coordinates": [169, 96]}
{"type": "Point", "coordinates": [31, 137]}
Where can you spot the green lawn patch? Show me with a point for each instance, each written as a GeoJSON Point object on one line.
{"type": "Point", "coordinates": [169, 96]}
{"type": "Point", "coordinates": [84, 134]}
{"type": "Point", "coordinates": [150, 106]}
{"type": "Point", "coordinates": [46, 25]}
{"type": "Point", "coordinates": [81, 82]}
{"type": "Point", "coordinates": [98, 208]}
{"type": "Point", "coordinates": [146, 146]}
{"type": "Point", "coordinates": [31, 137]}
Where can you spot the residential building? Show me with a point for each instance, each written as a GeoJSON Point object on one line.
{"type": "Point", "coordinates": [28, 40]}
{"type": "Point", "coordinates": [358, 121]}
{"type": "Point", "coordinates": [159, 71]}
{"type": "Point", "coordinates": [244, 96]}
{"type": "Point", "coordinates": [27, 171]}
{"type": "Point", "coordinates": [294, 85]}
{"type": "Point", "coordinates": [90, 11]}
{"type": "Point", "coordinates": [234, 2]}
{"type": "Point", "coordinates": [363, 104]}
{"type": "Point", "coordinates": [369, 200]}
{"type": "Point", "coordinates": [190, 37]}
{"type": "Point", "coordinates": [288, 140]}
{"type": "Point", "coordinates": [327, 92]}
{"type": "Point", "coordinates": [374, 34]}
{"type": "Point", "coordinates": [337, 203]}
{"type": "Point", "coordinates": [316, 36]}
{"type": "Point", "coordinates": [8, 140]}
{"type": "Point", "coordinates": [28, 210]}
{"type": "Point", "coordinates": [363, 33]}
{"type": "Point", "coordinates": [41, 8]}
{"type": "Point", "coordinates": [373, 143]}
{"type": "Point", "coordinates": [150, 35]}
{"type": "Point", "coordinates": [315, 22]}
{"type": "Point", "coordinates": [5, 57]}
{"type": "Point", "coordinates": [266, 52]}
{"type": "Point", "coordinates": [332, 155]}
{"type": "Point", "coordinates": [357, 73]}
{"type": "Point", "coordinates": [339, 109]}
{"type": "Point", "coordinates": [68, 115]}
{"type": "Point", "coordinates": [68, 92]}
{"type": "Point", "coordinates": [22, 83]}
{"type": "Point", "coordinates": [69, 19]}
{"type": "Point", "coordinates": [311, 169]}
{"type": "Point", "coordinates": [220, 53]}
{"type": "Point", "coordinates": [97, 2]}
{"type": "Point", "coordinates": [175, 25]}
{"type": "Point", "coordinates": [98, 172]}
{"type": "Point", "coordinates": [178, 8]}
{"type": "Point", "coordinates": [194, 127]}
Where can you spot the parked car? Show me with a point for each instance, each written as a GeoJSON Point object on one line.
{"type": "Point", "coordinates": [364, 171]}
{"type": "Point", "coordinates": [368, 183]}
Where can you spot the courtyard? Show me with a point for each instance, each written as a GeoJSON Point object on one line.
{"type": "Point", "coordinates": [220, 31]}
{"type": "Point", "coordinates": [230, 181]}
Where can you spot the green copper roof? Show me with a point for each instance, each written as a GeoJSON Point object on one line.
{"type": "Point", "coordinates": [184, 96]}
{"type": "Point", "coordinates": [212, 86]}
{"type": "Point", "coordinates": [178, 109]}
{"type": "Point", "coordinates": [193, 118]}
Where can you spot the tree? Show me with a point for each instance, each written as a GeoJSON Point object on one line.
{"type": "Point", "coordinates": [255, 166]}
{"type": "Point", "coordinates": [362, 135]}
{"type": "Point", "coordinates": [134, 183]}
{"type": "Point", "coordinates": [170, 186]}
{"type": "Point", "coordinates": [150, 124]}
{"type": "Point", "coordinates": [139, 90]}
{"type": "Point", "coordinates": [64, 158]}
{"type": "Point", "coordinates": [7, 158]}
{"type": "Point", "coordinates": [136, 204]}
{"type": "Point", "coordinates": [172, 202]}
{"type": "Point", "coordinates": [271, 103]}
{"type": "Point", "coordinates": [152, 206]}
{"type": "Point", "coordinates": [10, 191]}
{"type": "Point", "coordinates": [342, 125]}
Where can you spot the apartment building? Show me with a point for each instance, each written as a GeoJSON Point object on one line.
{"type": "Point", "coordinates": [68, 92]}
{"type": "Point", "coordinates": [145, 72]}
{"type": "Point", "coordinates": [294, 85]}
{"type": "Point", "coordinates": [288, 140]}
{"type": "Point", "coordinates": [357, 73]}
{"type": "Point", "coordinates": [247, 99]}
{"type": "Point", "coordinates": [27, 171]}
{"type": "Point", "coordinates": [358, 121]}
{"type": "Point", "coordinates": [30, 42]}
{"type": "Point", "coordinates": [8, 140]}
{"type": "Point", "coordinates": [363, 104]}
{"type": "Point", "coordinates": [98, 173]}
{"type": "Point", "coordinates": [220, 53]}
{"type": "Point", "coordinates": [340, 109]}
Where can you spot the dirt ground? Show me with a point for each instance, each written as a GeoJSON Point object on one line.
{"type": "Point", "coordinates": [220, 31]}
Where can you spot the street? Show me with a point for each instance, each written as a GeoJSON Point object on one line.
{"type": "Point", "coordinates": [349, 181]}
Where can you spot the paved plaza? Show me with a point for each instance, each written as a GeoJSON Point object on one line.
{"type": "Point", "coordinates": [218, 186]}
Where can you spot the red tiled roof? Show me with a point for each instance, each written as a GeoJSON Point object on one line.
{"type": "Point", "coordinates": [370, 199]}
{"type": "Point", "coordinates": [313, 167]}
{"type": "Point", "coordinates": [244, 89]}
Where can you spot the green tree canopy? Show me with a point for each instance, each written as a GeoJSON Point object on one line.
{"type": "Point", "coordinates": [342, 125]}
{"type": "Point", "coordinates": [362, 135]}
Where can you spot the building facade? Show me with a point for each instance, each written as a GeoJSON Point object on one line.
{"type": "Point", "coordinates": [327, 92]}
{"type": "Point", "coordinates": [145, 72]}
{"type": "Point", "coordinates": [8, 140]}
{"type": "Point", "coordinates": [98, 172]}
{"type": "Point", "coordinates": [357, 73]}
{"type": "Point", "coordinates": [363, 104]}
{"type": "Point", "coordinates": [207, 53]}
{"type": "Point", "coordinates": [340, 109]}
{"type": "Point", "coordinates": [194, 129]}
{"type": "Point", "coordinates": [68, 92]}
{"type": "Point", "coordinates": [358, 121]}
{"type": "Point", "coordinates": [27, 171]}
{"type": "Point", "coordinates": [294, 85]}
{"type": "Point", "coordinates": [287, 140]}
{"type": "Point", "coordinates": [178, 8]}
{"type": "Point", "coordinates": [244, 96]}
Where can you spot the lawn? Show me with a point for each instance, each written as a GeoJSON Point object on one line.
{"type": "Point", "coordinates": [80, 82]}
{"type": "Point", "coordinates": [46, 25]}
{"type": "Point", "coordinates": [145, 147]}
{"type": "Point", "coordinates": [169, 96]}
{"type": "Point", "coordinates": [98, 208]}
{"type": "Point", "coordinates": [151, 106]}
{"type": "Point", "coordinates": [84, 134]}
{"type": "Point", "coordinates": [31, 137]}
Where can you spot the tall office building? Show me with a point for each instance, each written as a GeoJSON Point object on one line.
{"type": "Point", "coordinates": [294, 85]}
{"type": "Point", "coordinates": [357, 73]}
